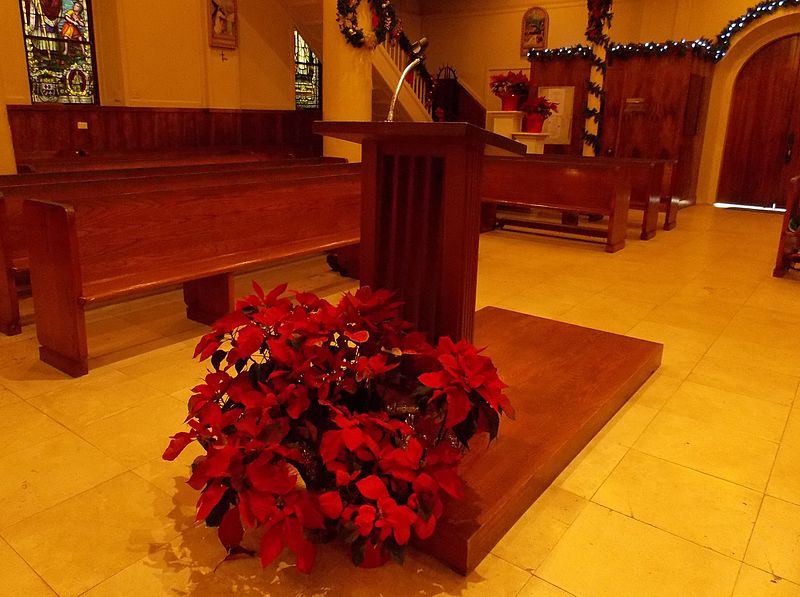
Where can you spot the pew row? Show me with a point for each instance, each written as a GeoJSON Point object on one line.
{"type": "Point", "coordinates": [598, 188]}
{"type": "Point", "coordinates": [13, 247]}
{"type": "Point", "coordinates": [651, 187]}
{"type": "Point", "coordinates": [101, 249]}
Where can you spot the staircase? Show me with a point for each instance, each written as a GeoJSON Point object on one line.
{"type": "Point", "coordinates": [388, 63]}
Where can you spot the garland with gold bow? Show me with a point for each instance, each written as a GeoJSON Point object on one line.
{"type": "Point", "coordinates": [385, 22]}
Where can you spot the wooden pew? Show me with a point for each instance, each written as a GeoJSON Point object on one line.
{"type": "Point", "coordinates": [789, 240]}
{"type": "Point", "coordinates": [598, 188]}
{"type": "Point", "coordinates": [15, 180]}
{"type": "Point", "coordinates": [651, 187]}
{"type": "Point", "coordinates": [104, 248]}
{"type": "Point", "coordinates": [78, 161]}
{"type": "Point", "coordinates": [13, 248]}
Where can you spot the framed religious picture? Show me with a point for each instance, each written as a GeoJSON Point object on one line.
{"type": "Point", "coordinates": [223, 26]}
{"type": "Point", "coordinates": [559, 126]}
{"type": "Point", "coordinates": [535, 27]}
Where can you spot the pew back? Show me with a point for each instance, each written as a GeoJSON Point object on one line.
{"type": "Point", "coordinates": [103, 248]}
{"type": "Point", "coordinates": [601, 188]}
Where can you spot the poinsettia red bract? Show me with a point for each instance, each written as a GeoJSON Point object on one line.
{"type": "Point", "coordinates": [321, 421]}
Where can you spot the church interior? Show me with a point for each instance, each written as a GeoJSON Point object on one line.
{"type": "Point", "coordinates": [626, 175]}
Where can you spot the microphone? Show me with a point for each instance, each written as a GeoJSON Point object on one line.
{"type": "Point", "coordinates": [418, 49]}
{"type": "Point", "coordinates": [417, 55]}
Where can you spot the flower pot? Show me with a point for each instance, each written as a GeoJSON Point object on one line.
{"type": "Point", "coordinates": [535, 122]}
{"type": "Point", "coordinates": [510, 102]}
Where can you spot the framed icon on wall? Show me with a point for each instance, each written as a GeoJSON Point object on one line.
{"type": "Point", "coordinates": [535, 27]}
{"type": "Point", "coordinates": [223, 24]}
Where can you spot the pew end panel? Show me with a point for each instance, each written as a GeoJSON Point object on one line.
{"type": "Point", "coordinates": [669, 204]}
{"type": "Point", "coordinates": [10, 323]}
{"type": "Point", "coordinates": [56, 284]}
{"type": "Point", "coordinates": [618, 219]}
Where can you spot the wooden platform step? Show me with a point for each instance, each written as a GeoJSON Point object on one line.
{"type": "Point", "coordinates": [566, 382]}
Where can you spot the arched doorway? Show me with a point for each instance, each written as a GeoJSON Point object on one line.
{"type": "Point", "coordinates": [762, 141]}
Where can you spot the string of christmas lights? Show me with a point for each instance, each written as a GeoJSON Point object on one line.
{"type": "Point", "coordinates": [705, 48]}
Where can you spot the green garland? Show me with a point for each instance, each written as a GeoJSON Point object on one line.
{"type": "Point", "coordinates": [384, 22]}
{"type": "Point", "coordinates": [599, 21]}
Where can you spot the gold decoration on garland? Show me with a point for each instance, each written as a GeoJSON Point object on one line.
{"type": "Point", "coordinates": [385, 23]}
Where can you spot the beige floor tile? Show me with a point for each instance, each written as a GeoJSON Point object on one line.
{"type": "Point", "coordinates": [792, 433]}
{"type": "Point", "coordinates": [775, 545]}
{"type": "Point", "coordinates": [753, 582]}
{"type": "Point", "coordinates": [528, 542]}
{"type": "Point", "coordinates": [606, 553]}
{"type": "Point", "coordinates": [168, 476]}
{"type": "Point", "coordinates": [536, 587]}
{"type": "Point", "coordinates": [735, 412]}
{"type": "Point", "coordinates": [628, 424]}
{"type": "Point", "coordinates": [709, 315]}
{"type": "Point", "coordinates": [703, 509]}
{"type": "Point", "coordinates": [84, 540]}
{"type": "Point", "coordinates": [48, 473]}
{"type": "Point", "coordinates": [7, 397]}
{"type": "Point", "coordinates": [187, 565]}
{"type": "Point", "coordinates": [745, 379]}
{"type": "Point", "coordinates": [17, 579]}
{"type": "Point", "coordinates": [92, 398]}
{"type": "Point", "coordinates": [759, 355]}
{"type": "Point", "coordinates": [742, 459]}
{"type": "Point", "coordinates": [168, 370]}
{"type": "Point", "coordinates": [608, 314]}
{"type": "Point", "coordinates": [656, 391]}
{"type": "Point", "coordinates": [22, 426]}
{"type": "Point", "coordinates": [137, 435]}
{"type": "Point", "coordinates": [586, 473]}
{"type": "Point", "coordinates": [113, 334]}
{"type": "Point", "coordinates": [784, 482]}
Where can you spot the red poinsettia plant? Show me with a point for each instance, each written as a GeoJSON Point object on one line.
{"type": "Point", "coordinates": [510, 83]}
{"type": "Point", "coordinates": [321, 421]}
{"type": "Point", "coordinates": [539, 105]}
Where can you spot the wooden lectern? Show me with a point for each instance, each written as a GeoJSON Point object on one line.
{"type": "Point", "coordinates": [420, 214]}
{"type": "Point", "coordinates": [419, 236]}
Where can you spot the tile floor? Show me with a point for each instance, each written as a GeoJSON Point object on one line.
{"type": "Point", "coordinates": [693, 488]}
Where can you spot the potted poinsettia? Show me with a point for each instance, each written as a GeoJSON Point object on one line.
{"type": "Point", "coordinates": [511, 88]}
{"type": "Point", "coordinates": [538, 110]}
{"type": "Point", "coordinates": [322, 421]}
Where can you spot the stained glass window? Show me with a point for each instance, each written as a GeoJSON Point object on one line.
{"type": "Point", "coordinates": [60, 49]}
{"type": "Point", "coordinates": [307, 77]}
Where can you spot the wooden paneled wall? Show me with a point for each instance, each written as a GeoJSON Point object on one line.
{"type": "Point", "coordinates": [566, 72]}
{"type": "Point", "coordinates": [41, 130]}
{"type": "Point", "coordinates": [655, 108]}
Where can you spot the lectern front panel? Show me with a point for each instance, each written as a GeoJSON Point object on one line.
{"type": "Point", "coordinates": [420, 230]}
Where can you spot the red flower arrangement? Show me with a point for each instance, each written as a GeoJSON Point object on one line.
{"type": "Point", "coordinates": [510, 83]}
{"type": "Point", "coordinates": [322, 421]}
{"type": "Point", "coordinates": [539, 105]}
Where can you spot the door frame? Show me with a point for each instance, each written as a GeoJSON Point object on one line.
{"type": "Point", "coordinates": [757, 36]}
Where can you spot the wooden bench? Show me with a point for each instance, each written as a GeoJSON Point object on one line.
{"type": "Point", "coordinates": [104, 248]}
{"type": "Point", "coordinates": [651, 188]}
{"type": "Point", "coordinates": [789, 240]}
{"type": "Point", "coordinates": [86, 161]}
{"type": "Point", "coordinates": [592, 187]}
{"type": "Point", "coordinates": [13, 247]}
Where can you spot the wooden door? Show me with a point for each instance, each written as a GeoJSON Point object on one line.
{"type": "Point", "coordinates": [763, 121]}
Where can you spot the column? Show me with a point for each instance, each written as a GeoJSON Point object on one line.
{"type": "Point", "coordinates": [346, 79]}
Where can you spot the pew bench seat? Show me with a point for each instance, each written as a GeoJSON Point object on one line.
{"type": "Point", "coordinates": [101, 249]}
